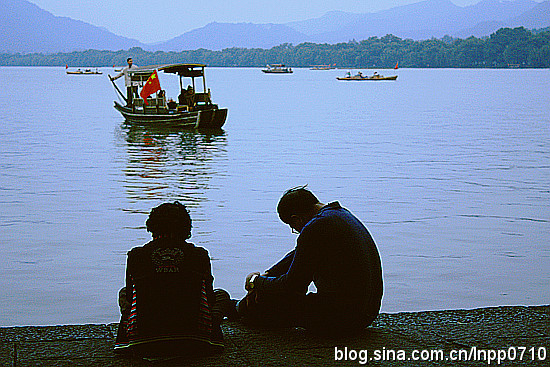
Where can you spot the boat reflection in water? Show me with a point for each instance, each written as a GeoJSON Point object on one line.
{"type": "Point", "coordinates": [166, 165]}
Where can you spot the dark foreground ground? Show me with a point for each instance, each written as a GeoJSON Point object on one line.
{"type": "Point", "coordinates": [517, 336]}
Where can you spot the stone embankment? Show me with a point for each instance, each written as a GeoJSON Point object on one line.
{"type": "Point", "coordinates": [513, 336]}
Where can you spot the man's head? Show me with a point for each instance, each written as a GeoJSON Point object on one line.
{"type": "Point", "coordinates": [297, 206]}
{"type": "Point", "coordinates": [129, 61]}
{"type": "Point", "coordinates": [169, 219]}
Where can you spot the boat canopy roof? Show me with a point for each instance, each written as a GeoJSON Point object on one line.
{"type": "Point", "coordinates": [185, 70]}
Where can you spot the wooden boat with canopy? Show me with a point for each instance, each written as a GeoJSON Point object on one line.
{"type": "Point", "coordinates": [277, 69]}
{"type": "Point", "coordinates": [360, 76]}
{"type": "Point", "coordinates": [192, 108]}
{"type": "Point", "coordinates": [83, 72]}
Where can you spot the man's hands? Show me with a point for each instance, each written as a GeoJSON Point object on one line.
{"type": "Point", "coordinates": [252, 295]}
{"type": "Point", "coordinates": [249, 282]}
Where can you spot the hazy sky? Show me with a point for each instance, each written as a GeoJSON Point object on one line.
{"type": "Point", "coordinates": [160, 20]}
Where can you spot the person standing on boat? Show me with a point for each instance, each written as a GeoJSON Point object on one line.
{"type": "Point", "coordinates": [335, 251]}
{"type": "Point", "coordinates": [131, 87]}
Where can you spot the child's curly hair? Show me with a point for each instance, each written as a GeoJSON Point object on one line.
{"type": "Point", "coordinates": [169, 219]}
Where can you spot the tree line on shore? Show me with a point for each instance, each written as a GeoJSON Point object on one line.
{"type": "Point", "coordinates": [507, 47]}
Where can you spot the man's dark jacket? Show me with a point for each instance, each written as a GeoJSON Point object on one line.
{"type": "Point", "coordinates": [335, 251]}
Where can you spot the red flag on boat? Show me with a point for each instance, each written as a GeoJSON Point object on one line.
{"type": "Point", "coordinates": [397, 65]}
{"type": "Point", "coordinates": [152, 86]}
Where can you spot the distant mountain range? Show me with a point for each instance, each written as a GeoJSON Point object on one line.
{"type": "Point", "coordinates": [26, 28]}
{"type": "Point", "coordinates": [427, 19]}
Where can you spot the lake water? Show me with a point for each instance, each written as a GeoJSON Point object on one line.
{"type": "Point", "coordinates": [449, 170]}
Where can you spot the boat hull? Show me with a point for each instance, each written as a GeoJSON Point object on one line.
{"type": "Point", "coordinates": [84, 72]}
{"type": "Point", "coordinates": [213, 118]}
{"type": "Point", "coordinates": [277, 71]}
{"type": "Point", "coordinates": [364, 78]}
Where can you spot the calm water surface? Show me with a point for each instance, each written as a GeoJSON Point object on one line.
{"type": "Point", "coordinates": [449, 170]}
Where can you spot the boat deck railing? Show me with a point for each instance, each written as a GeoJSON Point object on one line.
{"type": "Point", "coordinates": [156, 104]}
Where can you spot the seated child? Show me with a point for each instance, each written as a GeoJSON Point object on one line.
{"type": "Point", "coordinates": [168, 305]}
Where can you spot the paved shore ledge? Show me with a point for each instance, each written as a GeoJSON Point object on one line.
{"type": "Point", "coordinates": [392, 338]}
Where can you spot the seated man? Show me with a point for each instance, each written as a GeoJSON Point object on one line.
{"type": "Point", "coordinates": [190, 96]}
{"type": "Point", "coordinates": [187, 97]}
{"type": "Point", "coordinates": [161, 98]}
{"type": "Point", "coordinates": [337, 253]}
{"type": "Point", "coordinates": [168, 305]}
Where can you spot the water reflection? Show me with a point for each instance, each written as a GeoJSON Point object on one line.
{"type": "Point", "coordinates": [169, 164]}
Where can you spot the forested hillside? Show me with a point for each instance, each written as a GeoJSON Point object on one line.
{"type": "Point", "coordinates": [507, 47]}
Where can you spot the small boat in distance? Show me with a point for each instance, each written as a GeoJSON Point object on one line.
{"type": "Point", "coordinates": [360, 76]}
{"type": "Point", "coordinates": [277, 69]}
{"type": "Point", "coordinates": [323, 67]}
{"type": "Point", "coordinates": [84, 72]}
{"type": "Point", "coordinates": [193, 108]}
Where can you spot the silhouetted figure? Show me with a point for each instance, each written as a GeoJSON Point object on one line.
{"type": "Point", "coordinates": [335, 251]}
{"type": "Point", "coordinates": [168, 305]}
